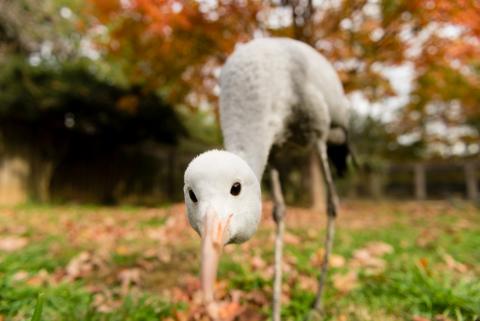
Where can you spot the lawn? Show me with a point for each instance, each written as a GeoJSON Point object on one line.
{"type": "Point", "coordinates": [392, 261]}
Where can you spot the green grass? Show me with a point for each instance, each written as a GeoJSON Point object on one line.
{"type": "Point", "coordinates": [405, 288]}
{"type": "Point", "coordinates": [415, 280]}
{"type": "Point", "coordinates": [72, 302]}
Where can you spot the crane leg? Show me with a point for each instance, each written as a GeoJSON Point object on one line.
{"type": "Point", "coordinates": [332, 205]}
{"type": "Point", "coordinates": [278, 215]}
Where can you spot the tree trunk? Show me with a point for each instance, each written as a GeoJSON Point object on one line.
{"type": "Point", "coordinates": [376, 185]}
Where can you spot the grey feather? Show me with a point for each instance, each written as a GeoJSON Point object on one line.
{"type": "Point", "coordinates": [269, 83]}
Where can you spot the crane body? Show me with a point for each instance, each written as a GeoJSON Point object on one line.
{"type": "Point", "coordinates": [272, 90]}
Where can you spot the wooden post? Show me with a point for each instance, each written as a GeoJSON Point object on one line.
{"type": "Point", "coordinates": [376, 185]}
{"type": "Point", "coordinates": [420, 182]}
{"type": "Point", "coordinates": [471, 181]}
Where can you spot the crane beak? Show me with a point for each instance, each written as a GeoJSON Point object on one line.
{"type": "Point", "coordinates": [214, 237]}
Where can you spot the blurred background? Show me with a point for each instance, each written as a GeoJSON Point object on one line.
{"type": "Point", "coordinates": [104, 102]}
{"type": "Point", "coordinates": [107, 101]}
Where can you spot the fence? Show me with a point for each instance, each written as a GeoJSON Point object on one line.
{"type": "Point", "coordinates": [154, 174]}
{"type": "Point", "coordinates": [419, 180]}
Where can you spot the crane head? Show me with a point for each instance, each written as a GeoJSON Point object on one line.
{"type": "Point", "coordinates": [223, 200]}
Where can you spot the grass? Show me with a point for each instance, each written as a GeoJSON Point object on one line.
{"type": "Point", "coordinates": [108, 264]}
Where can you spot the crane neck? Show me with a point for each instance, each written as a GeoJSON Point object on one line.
{"type": "Point", "coordinates": [257, 160]}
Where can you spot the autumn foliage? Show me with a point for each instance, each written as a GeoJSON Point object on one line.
{"type": "Point", "coordinates": [176, 47]}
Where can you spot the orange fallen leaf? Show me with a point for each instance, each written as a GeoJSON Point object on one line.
{"type": "Point", "coordinates": [423, 262]}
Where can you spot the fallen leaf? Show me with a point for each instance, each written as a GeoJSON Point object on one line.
{"type": "Point", "coordinates": [336, 261]}
{"type": "Point", "coordinates": [12, 243]}
{"type": "Point", "coordinates": [342, 317]}
{"type": "Point", "coordinates": [290, 238]}
{"type": "Point", "coordinates": [423, 262]}
{"type": "Point", "coordinates": [363, 258]}
{"type": "Point", "coordinates": [454, 265]}
{"type": "Point", "coordinates": [307, 283]}
{"type": "Point", "coordinates": [378, 248]}
{"type": "Point", "coordinates": [122, 250]}
{"type": "Point", "coordinates": [345, 282]}
{"type": "Point", "coordinates": [127, 278]}
{"type": "Point", "coordinates": [39, 279]}
{"type": "Point", "coordinates": [257, 262]}
{"type": "Point", "coordinates": [258, 297]}
{"type": "Point", "coordinates": [20, 275]}
{"type": "Point", "coordinates": [427, 237]}
{"type": "Point", "coordinates": [229, 311]}
{"type": "Point", "coordinates": [83, 264]}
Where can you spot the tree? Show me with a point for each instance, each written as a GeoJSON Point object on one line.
{"type": "Point", "coordinates": [171, 46]}
{"type": "Point", "coordinates": [176, 47]}
{"type": "Point", "coordinates": [47, 113]}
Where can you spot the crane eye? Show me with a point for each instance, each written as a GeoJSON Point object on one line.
{"type": "Point", "coordinates": [236, 188]}
{"type": "Point", "coordinates": [192, 196]}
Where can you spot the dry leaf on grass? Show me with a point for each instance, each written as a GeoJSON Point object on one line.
{"type": "Point", "coordinates": [336, 261]}
{"type": "Point", "coordinates": [369, 256]}
{"type": "Point", "coordinates": [345, 282]}
{"type": "Point", "coordinates": [427, 237]}
{"type": "Point", "coordinates": [454, 265]}
{"type": "Point", "coordinates": [379, 248]}
{"type": "Point", "coordinates": [40, 279]}
{"type": "Point", "coordinates": [342, 317]}
{"type": "Point", "coordinates": [83, 264]}
{"type": "Point", "coordinates": [257, 262]}
{"type": "Point", "coordinates": [127, 278]}
{"type": "Point", "coordinates": [290, 238]}
{"type": "Point", "coordinates": [20, 276]}
{"type": "Point", "coordinates": [364, 259]}
{"type": "Point", "coordinates": [307, 283]}
{"type": "Point", "coordinates": [251, 313]}
{"type": "Point", "coordinates": [122, 250]}
{"type": "Point", "coordinates": [104, 302]}
{"type": "Point", "coordinates": [12, 243]}
{"type": "Point", "coordinates": [424, 263]}
{"type": "Point", "coordinates": [257, 297]}
{"type": "Point", "coordinates": [229, 311]}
